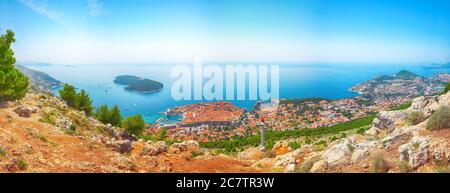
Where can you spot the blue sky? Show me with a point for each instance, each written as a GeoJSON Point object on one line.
{"type": "Point", "coordinates": [148, 31]}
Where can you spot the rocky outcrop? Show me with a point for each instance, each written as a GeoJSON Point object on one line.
{"type": "Point", "coordinates": [190, 145]}
{"type": "Point", "coordinates": [290, 168]}
{"type": "Point", "coordinates": [119, 133]}
{"type": "Point", "coordinates": [123, 146]}
{"type": "Point", "coordinates": [398, 135]}
{"type": "Point", "coordinates": [387, 120]}
{"type": "Point", "coordinates": [64, 123]}
{"type": "Point", "coordinates": [25, 111]}
{"type": "Point", "coordinates": [339, 153]}
{"type": "Point", "coordinates": [281, 148]}
{"type": "Point", "coordinates": [440, 150]}
{"type": "Point", "coordinates": [253, 153]}
{"type": "Point", "coordinates": [415, 152]}
{"type": "Point", "coordinates": [154, 149]}
{"type": "Point", "coordinates": [318, 167]}
{"type": "Point", "coordinates": [444, 99]}
{"type": "Point", "coordinates": [287, 159]}
{"type": "Point", "coordinates": [371, 131]}
{"type": "Point", "coordinates": [426, 105]}
{"type": "Point", "coordinates": [363, 149]}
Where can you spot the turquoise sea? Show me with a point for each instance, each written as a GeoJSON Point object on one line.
{"type": "Point", "coordinates": [330, 81]}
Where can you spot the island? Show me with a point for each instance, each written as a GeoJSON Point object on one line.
{"type": "Point", "coordinates": [138, 84]}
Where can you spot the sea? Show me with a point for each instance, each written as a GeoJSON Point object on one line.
{"type": "Point", "coordinates": [324, 80]}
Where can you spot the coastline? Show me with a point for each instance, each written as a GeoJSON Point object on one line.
{"type": "Point", "coordinates": [150, 105]}
{"type": "Point", "coordinates": [143, 92]}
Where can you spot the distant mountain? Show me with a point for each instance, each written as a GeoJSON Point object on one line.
{"type": "Point", "coordinates": [437, 66]}
{"type": "Point", "coordinates": [406, 75]}
{"type": "Point", "coordinates": [35, 64]}
{"type": "Point", "coordinates": [40, 80]}
{"type": "Point", "coordinates": [403, 74]}
{"type": "Point", "coordinates": [138, 84]}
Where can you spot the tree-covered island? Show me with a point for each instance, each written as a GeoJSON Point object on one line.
{"type": "Point", "coordinates": [138, 84]}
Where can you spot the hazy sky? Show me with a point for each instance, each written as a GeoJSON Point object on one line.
{"type": "Point", "coordinates": [141, 31]}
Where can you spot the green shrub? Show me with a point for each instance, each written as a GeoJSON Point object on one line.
{"type": "Point", "coordinates": [401, 106]}
{"type": "Point", "coordinates": [379, 165]}
{"type": "Point", "coordinates": [443, 169]}
{"type": "Point", "coordinates": [2, 152]}
{"type": "Point", "coordinates": [294, 144]}
{"type": "Point", "coordinates": [415, 118]}
{"type": "Point", "coordinates": [334, 138]}
{"type": "Point", "coordinates": [47, 118]}
{"type": "Point", "coordinates": [440, 119]}
{"type": "Point", "coordinates": [447, 88]}
{"type": "Point", "coordinates": [362, 130]}
{"type": "Point", "coordinates": [195, 154]}
{"type": "Point", "coordinates": [161, 135]}
{"type": "Point", "coordinates": [321, 142]}
{"type": "Point", "coordinates": [22, 164]}
{"type": "Point", "coordinates": [404, 166]}
{"type": "Point", "coordinates": [73, 127]}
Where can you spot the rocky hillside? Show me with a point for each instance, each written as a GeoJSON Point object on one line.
{"type": "Point", "coordinates": [398, 141]}
{"type": "Point", "coordinates": [40, 81]}
{"type": "Point", "coordinates": [41, 134]}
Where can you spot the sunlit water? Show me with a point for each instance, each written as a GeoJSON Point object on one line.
{"type": "Point", "coordinates": [330, 81]}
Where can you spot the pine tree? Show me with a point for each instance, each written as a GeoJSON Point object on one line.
{"type": "Point", "coordinates": [102, 114]}
{"type": "Point", "coordinates": [115, 116]}
{"type": "Point", "coordinates": [68, 94]}
{"type": "Point", "coordinates": [7, 59]}
{"type": "Point", "coordinates": [84, 103]}
{"type": "Point", "coordinates": [13, 84]}
{"type": "Point", "coordinates": [134, 124]}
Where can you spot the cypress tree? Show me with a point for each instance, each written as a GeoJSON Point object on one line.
{"type": "Point", "coordinates": [102, 114]}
